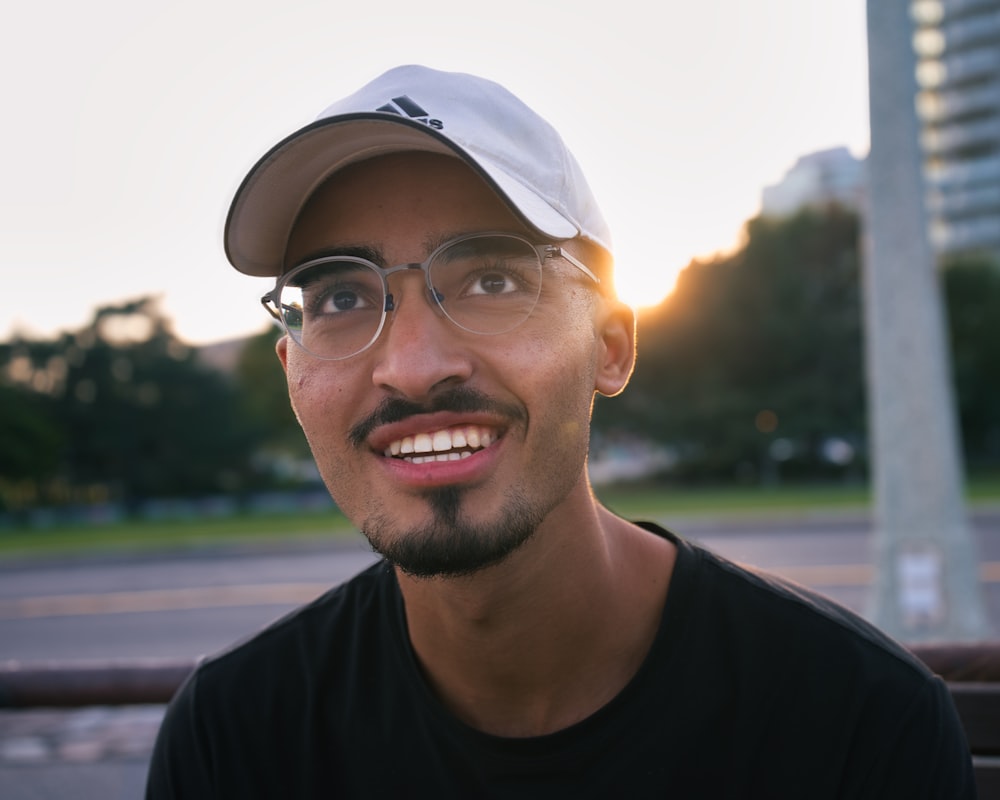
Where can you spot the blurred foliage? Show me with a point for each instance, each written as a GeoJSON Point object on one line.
{"type": "Point", "coordinates": [972, 294]}
{"type": "Point", "coordinates": [265, 396]}
{"type": "Point", "coordinates": [751, 371]}
{"type": "Point", "coordinates": [119, 411]}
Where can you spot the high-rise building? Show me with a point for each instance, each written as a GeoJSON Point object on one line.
{"type": "Point", "coordinates": [817, 180]}
{"type": "Point", "coordinates": [957, 43]}
{"type": "Point", "coordinates": [957, 46]}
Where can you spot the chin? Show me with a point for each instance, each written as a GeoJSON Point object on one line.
{"type": "Point", "coordinates": [450, 544]}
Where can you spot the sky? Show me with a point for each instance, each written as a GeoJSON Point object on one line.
{"type": "Point", "coordinates": [129, 125]}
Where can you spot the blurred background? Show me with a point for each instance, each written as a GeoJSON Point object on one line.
{"type": "Point", "coordinates": [157, 499]}
{"type": "Point", "coordinates": [137, 372]}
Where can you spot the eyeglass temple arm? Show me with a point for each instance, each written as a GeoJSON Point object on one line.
{"type": "Point", "coordinates": [556, 250]}
{"type": "Point", "coordinates": [267, 299]}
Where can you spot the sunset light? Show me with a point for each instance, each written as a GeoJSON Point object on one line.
{"type": "Point", "coordinates": [644, 287]}
{"type": "Point", "coordinates": [126, 164]}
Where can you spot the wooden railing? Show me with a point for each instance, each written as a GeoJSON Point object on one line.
{"type": "Point", "coordinates": [972, 673]}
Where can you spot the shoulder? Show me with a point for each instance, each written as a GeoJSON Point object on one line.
{"type": "Point", "coordinates": [787, 666]}
{"type": "Point", "coordinates": [244, 714]}
{"type": "Point", "coordinates": [298, 646]}
{"type": "Point", "coordinates": [776, 618]}
{"type": "Point", "coordinates": [818, 620]}
{"type": "Point", "coordinates": [759, 635]}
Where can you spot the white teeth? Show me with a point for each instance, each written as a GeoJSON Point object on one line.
{"type": "Point", "coordinates": [444, 445]}
{"type": "Point", "coordinates": [422, 443]}
{"type": "Point", "coordinates": [453, 456]}
{"type": "Point", "coordinates": [441, 441]}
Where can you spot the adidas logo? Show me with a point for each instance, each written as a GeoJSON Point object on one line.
{"type": "Point", "coordinates": [404, 105]}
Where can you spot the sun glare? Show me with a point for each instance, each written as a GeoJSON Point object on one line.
{"type": "Point", "coordinates": [642, 291]}
{"type": "Point", "coordinates": [640, 283]}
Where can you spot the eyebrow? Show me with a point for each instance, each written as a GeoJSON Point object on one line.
{"type": "Point", "coordinates": [374, 254]}
{"type": "Point", "coordinates": [432, 243]}
{"type": "Point", "coordinates": [367, 252]}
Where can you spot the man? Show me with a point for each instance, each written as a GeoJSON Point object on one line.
{"type": "Point", "coordinates": [443, 276]}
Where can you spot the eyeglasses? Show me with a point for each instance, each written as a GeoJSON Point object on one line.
{"type": "Point", "coordinates": [335, 307]}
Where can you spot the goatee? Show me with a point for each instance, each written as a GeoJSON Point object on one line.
{"type": "Point", "coordinates": [450, 546]}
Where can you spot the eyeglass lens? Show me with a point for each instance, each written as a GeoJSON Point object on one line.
{"type": "Point", "coordinates": [335, 307]}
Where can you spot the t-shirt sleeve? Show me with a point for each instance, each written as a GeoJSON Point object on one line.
{"type": "Point", "coordinates": [929, 757]}
{"type": "Point", "coordinates": [180, 765]}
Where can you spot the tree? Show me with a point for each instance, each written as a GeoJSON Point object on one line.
{"type": "Point", "coordinates": [132, 412]}
{"type": "Point", "coordinates": [972, 294]}
{"type": "Point", "coordinates": [262, 385]}
{"type": "Point", "coordinates": [31, 439]}
{"type": "Point", "coordinates": [755, 358]}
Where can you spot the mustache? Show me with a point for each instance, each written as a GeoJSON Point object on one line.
{"type": "Point", "coordinates": [459, 400]}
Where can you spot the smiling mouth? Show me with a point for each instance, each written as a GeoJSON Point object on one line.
{"type": "Point", "coordinates": [450, 444]}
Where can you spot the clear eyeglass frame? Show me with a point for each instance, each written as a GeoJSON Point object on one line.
{"type": "Point", "coordinates": [358, 332]}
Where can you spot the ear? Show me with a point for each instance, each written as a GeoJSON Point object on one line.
{"type": "Point", "coordinates": [616, 348]}
{"type": "Point", "coordinates": [281, 348]}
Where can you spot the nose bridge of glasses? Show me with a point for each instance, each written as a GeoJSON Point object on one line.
{"type": "Point", "coordinates": [413, 265]}
{"type": "Point", "coordinates": [431, 294]}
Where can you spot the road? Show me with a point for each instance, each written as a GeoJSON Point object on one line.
{"type": "Point", "coordinates": [171, 605]}
{"type": "Point", "coordinates": [189, 604]}
{"type": "Point", "coordinates": [185, 605]}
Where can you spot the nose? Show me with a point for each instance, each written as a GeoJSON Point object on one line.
{"type": "Point", "coordinates": [419, 351]}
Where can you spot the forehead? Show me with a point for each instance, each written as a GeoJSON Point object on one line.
{"type": "Point", "coordinates": [399, 205]}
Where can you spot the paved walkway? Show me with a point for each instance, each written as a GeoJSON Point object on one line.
{"type": "Point", "coordinates": [78, 754]}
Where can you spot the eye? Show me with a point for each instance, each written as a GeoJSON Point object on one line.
{"type": "Point", "coordinates": [486, 275]}
{"type": "Point", "coordinates": [339, 300]}
{"type": "Point", "coordinates": [495, 274]}
{"type": "Point", "coordinates": [493, 281]}
{"type": "Point", "coordinates": [335, 288]}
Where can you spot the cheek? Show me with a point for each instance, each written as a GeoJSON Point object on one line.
{"type": "Point", "coordinates": [319, 400]}
{"type": "Point", "coordinates": [316, 394]}
{"type": "Point", "coordinates": [560, 366]}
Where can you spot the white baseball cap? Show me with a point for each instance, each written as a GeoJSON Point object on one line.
{"type": "Point", "coordinates": [517, 153]}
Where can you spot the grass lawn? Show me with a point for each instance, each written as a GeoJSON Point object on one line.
{"type": "Point", "coordinates": [629, 501]}
{"type": "Point", "coordinates": [632, 500]}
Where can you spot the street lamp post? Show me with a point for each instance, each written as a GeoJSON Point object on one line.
{"type": "Point", "coordinates": [927, 585]}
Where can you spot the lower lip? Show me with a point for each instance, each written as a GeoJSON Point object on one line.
{"type": "Point", "coordinates": [443, 473]}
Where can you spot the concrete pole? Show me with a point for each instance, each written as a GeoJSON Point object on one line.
{"type": "Point", "coordinates": [927, 585]}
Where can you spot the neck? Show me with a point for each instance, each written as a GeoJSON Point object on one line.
{"type": "Point", "coordinates": [543, 640]}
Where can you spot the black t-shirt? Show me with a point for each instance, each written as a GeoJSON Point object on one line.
{"type": "Point", "coordinates": [753, 688]}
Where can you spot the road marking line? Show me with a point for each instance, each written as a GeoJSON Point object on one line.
{"type": "Point", "coordinates": [160, 600]}
{"type": "Point", "coordinates": [828, 575]}
{"type": "Point", "coordinates": [71, 605]}
{"type": "Point", "coordinates": [833, 575]}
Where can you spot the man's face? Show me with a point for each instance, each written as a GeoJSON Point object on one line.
{"type": "Point", "coordinates": [506, 417]}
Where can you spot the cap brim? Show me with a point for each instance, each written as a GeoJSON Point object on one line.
{"type": "Point", "coordinates": [272, 194]}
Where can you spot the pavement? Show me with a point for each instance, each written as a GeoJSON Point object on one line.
{"type": "Point", "coordinates": [96, 753]}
